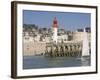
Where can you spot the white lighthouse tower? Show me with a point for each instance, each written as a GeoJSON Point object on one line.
{"type": "Point", "coordinates": [55, 30]}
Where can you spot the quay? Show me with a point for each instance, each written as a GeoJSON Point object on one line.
{"type": "Point", "coordinates": [64, 49]}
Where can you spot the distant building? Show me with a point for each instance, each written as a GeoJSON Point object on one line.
{"type": "Point", "coordinates": [63, 38]}
{"type": "Point", "coordinates": [88, 29]}
{"type": "Point", "coordinates": [79, 30]}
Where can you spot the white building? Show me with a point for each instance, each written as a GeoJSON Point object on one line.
{"type": "Point", "coordinates": [63, 38]}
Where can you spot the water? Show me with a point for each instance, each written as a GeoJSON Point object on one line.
{"type": "Point", "coordinates": [36, 62]}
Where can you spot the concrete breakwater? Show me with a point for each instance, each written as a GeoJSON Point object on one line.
{"type": "Point", "coordinates": [64, 49]}
{"type": "Point", "coordinates": [70, 48]}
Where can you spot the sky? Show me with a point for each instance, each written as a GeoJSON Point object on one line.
{"type": "Point", "coordinates": [66, 20]}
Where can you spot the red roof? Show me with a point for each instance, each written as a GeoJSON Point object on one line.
{"type": "Point", "coordinates": [55, 22]}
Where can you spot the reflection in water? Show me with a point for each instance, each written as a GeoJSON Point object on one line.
{"type": "Point", "coordinates": [33, 62]}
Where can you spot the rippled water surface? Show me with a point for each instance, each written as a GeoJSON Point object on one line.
{"type": "Point", "coordinates": [33, 62]}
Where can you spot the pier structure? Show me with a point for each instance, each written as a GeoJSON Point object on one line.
{"type": "Point", "coordinates": [64, 49]}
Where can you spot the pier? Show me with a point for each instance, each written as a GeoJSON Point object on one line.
{"type": "Point", "coordinates": [64, 49]}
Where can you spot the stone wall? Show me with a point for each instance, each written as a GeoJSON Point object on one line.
{"type": "Point", "coordinates": [78, 36]}
{"type": "Point", "coordinates": [34, 48]}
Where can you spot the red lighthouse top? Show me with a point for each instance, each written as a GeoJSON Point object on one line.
{"type": "Point", "coordinates": [55, 23]}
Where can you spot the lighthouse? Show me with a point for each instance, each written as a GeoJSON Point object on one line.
{"type": "Point", "coordinates": [55, 30]}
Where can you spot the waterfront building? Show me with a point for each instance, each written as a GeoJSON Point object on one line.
{"type": "Point", "coordinates": [63, 38]}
